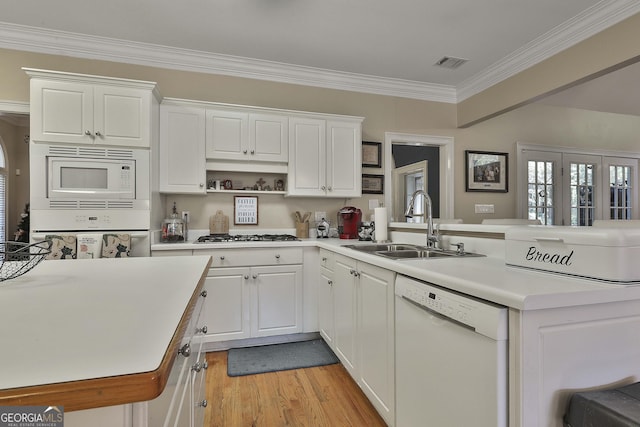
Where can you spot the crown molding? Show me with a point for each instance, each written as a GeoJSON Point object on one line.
{"type": "Point", "coordinates": [31, 39]}
{"type": "Point", "coordinates": [584, 25]}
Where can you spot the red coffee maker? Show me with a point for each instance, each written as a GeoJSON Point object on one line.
{"type": "Point", "coordinates": [348, 220]}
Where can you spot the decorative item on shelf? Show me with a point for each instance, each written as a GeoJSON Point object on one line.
{"type": "Point", "coordinates": [302, 224]}
{"type": "Point", "coordinates": [211, 184]}
{"type": "Point", "coordinates": [279, 185]}
{"type": "Point", "coordinates": [227, 184]}
{"type": "Point", "coordinates": [260, 184]}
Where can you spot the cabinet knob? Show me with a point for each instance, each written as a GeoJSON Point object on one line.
{"type": "Point", "coordinates": [323, 188]}
{"type": "Point", "coordinates": [197, 367]}
{"type": "Point", "coordinates": [277, 256]}
{"type": "Point", "coordinates": [202, 330]}
{"type": "Point", "coordinates": [205, 365]}
{"type": "Point", "coordinates": [203, 294]}
{"type": "Point", "coordinates": [255, 276]}
{"type": "Point", "coordinates": [253, 151]}
{"type": "Point", "coordinates": [203, 404]}
{"type": "Point", "coordinates": [324, 259]}
{"type": "Point", "coordinates": [87, 132]}
{"type": "Point", "coordinates": [330, 188]}
{"type": "Point", "coordinates": [201, 185]}
{"type": "Point", "coordinates": [352, 272]}
{"type": "Point", "coordinates": [330, 282]}
{"type": "Point", "coordinates": [246, 277]}
{"type": "Point", "coordinates": [221, 257]}
{"type": "Point", "coordinates": [185, 350]}
{"type": "Point", "coordinates": [244, 151]}
{"type": "Point", "coordinates": [98, 133]}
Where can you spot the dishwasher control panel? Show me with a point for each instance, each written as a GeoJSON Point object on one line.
{"type": "Point", "coordinates": [482, 316]}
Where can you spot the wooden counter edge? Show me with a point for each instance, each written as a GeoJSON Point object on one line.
{"type": "Point", "coordinates": [108, 391]}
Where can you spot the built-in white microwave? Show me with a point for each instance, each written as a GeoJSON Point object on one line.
{"type": "Point", "coordinates": [85, 178]}
{"type": "Point", "coordinates": [75, 187]}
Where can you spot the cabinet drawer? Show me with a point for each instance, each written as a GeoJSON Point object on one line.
{"type": "Point", "coordinates": [252, 257]}
{"type": "Point", "coordinates": [327, 259]}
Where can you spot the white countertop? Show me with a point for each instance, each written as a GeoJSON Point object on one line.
{"type": "Point", "coordinates": [487, 278]}
{"type": "Point", "coordinates": [92, 318]}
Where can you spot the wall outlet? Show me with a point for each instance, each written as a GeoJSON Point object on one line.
{"type": "Point", "coordinates": [485, 209]}
{"type": "Point", "coordinates": [319, 215]}
{"type": "Point", "coordinates": [186, 216]}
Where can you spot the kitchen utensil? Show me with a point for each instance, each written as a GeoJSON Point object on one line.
{"type": "Point", "coordinates": [219, 223]}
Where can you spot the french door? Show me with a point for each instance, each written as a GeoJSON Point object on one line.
{"type": "Point", "coordinates": [576, 189]}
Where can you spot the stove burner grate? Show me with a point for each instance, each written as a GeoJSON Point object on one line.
{"type": "Point", "coordinates": [219, 238]}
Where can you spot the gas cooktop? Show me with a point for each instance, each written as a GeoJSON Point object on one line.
{"type": "Point", "coordinates": [218, 238]}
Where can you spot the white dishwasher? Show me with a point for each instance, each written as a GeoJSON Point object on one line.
{"type": "Point", "coordinates": [451, 358]}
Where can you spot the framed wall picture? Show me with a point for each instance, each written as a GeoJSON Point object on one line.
{"type": "Point", "coordinates": [372, 184]}
{"type": "Point", "coordinates": [487, 171]}
{"type": "Point", "coordinates": [245, 210]}
{"type": "Point", "coordinates": [371, 154]}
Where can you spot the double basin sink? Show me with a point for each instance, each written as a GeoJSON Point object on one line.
{"type": "Point", "coordinates": [400, 251]}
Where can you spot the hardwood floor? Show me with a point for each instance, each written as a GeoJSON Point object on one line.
{"type": "Point", "coordinates": [318, 396]}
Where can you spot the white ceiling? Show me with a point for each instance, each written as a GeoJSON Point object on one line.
{"type": "Point", "coordinates": [376, 46]}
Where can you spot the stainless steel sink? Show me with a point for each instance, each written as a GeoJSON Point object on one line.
{"type": "Point", "coordinates": [384, 247]}
{"type": "Point", "coordinates": [401, 251]}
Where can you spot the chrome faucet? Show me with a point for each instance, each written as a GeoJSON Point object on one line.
{"type": "Point", "coordinates": [433, 237]}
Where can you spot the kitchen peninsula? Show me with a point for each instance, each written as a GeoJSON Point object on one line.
{"type": "Point", "coordinates": [94, 333]}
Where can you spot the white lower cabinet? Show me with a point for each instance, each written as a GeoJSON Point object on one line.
{"type": "Point", "coordinates": [182, 402]}
{"type": "Point", "coordinates": [256, 293]}
{"type": "Point", "coordinates": [363, 323]}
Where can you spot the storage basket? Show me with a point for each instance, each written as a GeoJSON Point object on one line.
{"type": "Point", "coordinates": [17, 258]}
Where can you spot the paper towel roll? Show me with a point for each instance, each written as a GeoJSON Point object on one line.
{"type": "Point", "coordinates": [380, 215]}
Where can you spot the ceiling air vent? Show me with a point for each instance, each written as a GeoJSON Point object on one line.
{"type": "Point", "coordinates": [450, 62]}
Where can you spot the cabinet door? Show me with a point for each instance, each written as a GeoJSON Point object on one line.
{"type": "Point", "coordinates": [276, 300]}
{"type": "Point", "coordinates": [227, 136]}
{"type": "Point", "coordinates": [344, 159]}
{"type": "Point", "coordinates": [61, 112]}
{"type": "Point", "coordinates": [268, 138]}
{"type": "Point", "coordinates": [227, 306]}
{"type": "Point", "coordinates": [122, 116]}
{"type": "Point", "coordinates": [344, 303]}
{"type": "Point", "coordinates": [182, 159]}
{"type": "Point", "coordinates": [376, 337]}
{"type": "Point", "coordinates": [325, 306]}
{"type": "Point", "coordinates": [307, 157]}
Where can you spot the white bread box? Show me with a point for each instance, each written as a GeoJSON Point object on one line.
{"type": "Point", "coordinates": [610, 254]}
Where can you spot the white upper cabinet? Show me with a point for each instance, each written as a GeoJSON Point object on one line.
{"type": "Point", "coordinates": [182, 141]}
{"type": "Point", "coordinates": [78, 109]}
{"type": "Point", "coordinates": [246, 136]}
{"type": "Point", "coordinates": [325, 157]}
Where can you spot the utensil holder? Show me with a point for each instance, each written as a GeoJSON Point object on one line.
{"type": "Point", "coordinates": [302, 230]}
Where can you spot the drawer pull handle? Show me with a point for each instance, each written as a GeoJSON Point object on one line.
{"type": "Point", "coordinates": [277, 256]}
{"type": "Point", "coordinates": [203, 294]}
{"type": "Point", "coordinates": [86, 132]}
{"type": "Point", "coordinates": [185, 350]}
{"type": "Point", "coordinates": [98, 133]}
{"type": "Point", "coordinates": [202, 330]}
{"type": "Point", "coordinates": [246, 277]}
{"type": "Point", "coordinates": [330, 282]}
{"type": "Point", "coordinates": [205, 365]}
{"type": "Point", "coordinates": [203, 404]}
{"type": "Point", "coordinates": [197, 367]}
{"type": "Point", "coordinates": [255, 276]}
{"type": "Point", "coordinates": [221, 257]}
{"type": "Point", "coordinates": [324, 259]}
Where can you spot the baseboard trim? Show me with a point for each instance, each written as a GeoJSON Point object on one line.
{"type": "Point", "coordinates": [252, 342]}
